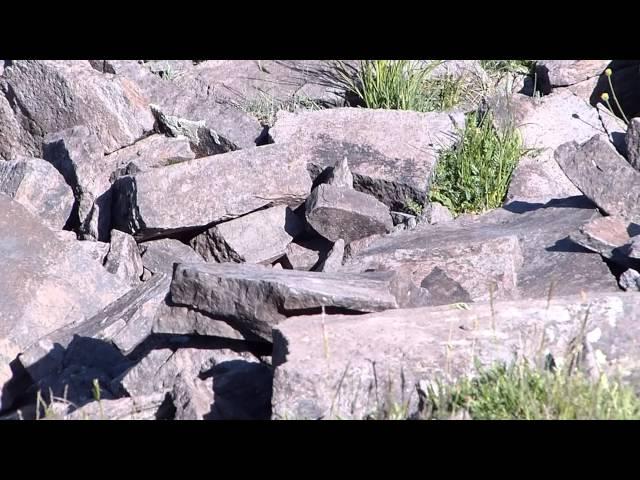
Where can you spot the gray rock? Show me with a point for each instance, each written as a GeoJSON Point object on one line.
{"type": "Point", "coordinates": [607, 236]}
{"type": "Point", "coordinates": [150, 152]}
{"type": "Point", "coordinates": [129, 408]}
{"type": "Point", "coordinates": [178, 320]}
{"type": "Point", "coordinates": [305, 254]}
{"type": "Point", "coordinates": [562, 73]}
{"type": "Point", "coordinates": [160, 255]}
{"type": "Point", "coordinates": [125, 324]}
{"type": "Point", "coordinates": [603, 175]}
{"type": "Point", "coordinates": [23, 180]}
{"type": "Point", "coordinates": [521, 254]}
{"type": "Point", "coordinates": [340, 175]}
{"type": "Point", "coordinates": [333, 262]}
{"type": "Point", "coordinates": [337, 213]}
{"type": "Point", "coordinates": [123, 259]}
{"type": "Point", "coordinates": [192, 397]}
{"type": "Point", "coordinates": [41, 290]}
{"type": "Point", "coordinates": [76, 94]}
{"type": "Point", "coordinates": [632, 143]}
{"type": "Point", "coordinates": [633, 248]}
{"type": "Point", "coordinates": [259, 237]}
{"type": "Point", "coordinates": [77, 154]}
{"type": "Point", "coordinates": [9, 351]}
{"type": "Point", "coordinates": [435, 213]}
{"type": "Point", "coordinates": [13, 139]}
{"type": "Point", "coordinates": [207, 190]}
{"type": "Point", "coordinates": [391, 153]}
{"type": "Point", "coordinates": [202, 140]}
{"type": "Point", "coordinates": [545, 124]}
{"type": "Point", "coordinates": [253, 298]}
{"type": "Point", "coordinates": [630, 280]}
{"type": "Point", "coordinates": [350, 367]}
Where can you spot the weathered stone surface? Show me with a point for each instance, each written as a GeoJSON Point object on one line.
{"type": "Point", "coordinates": [158, 370]}
{"type": "Point", "coordinates": [192, 397]}
{"type": "Point", "coordinates": [160, 255]}
{"type": "Point", "coordinates": [260, 237]}
{"type": "Point", "coordinates": [630, 280]}
{"type": "Point", "coordinates": [12, 136]}
{"type": "Point", "coordinates": [607, 236]}
{"type": "Point", "coordinates": [202, 140]}
{"type": "Point", "coordinates": [123, 259]}
{"type": "Point", "coordinates": [632, 143]}
{"type": "Point", "coordinates": [344, 213]}
{"type": "Point", "coordinates": [603, 175]}
{"type": "Point", "coordinates": [349, 367]}
{"type": "Point", "coordinates": [391, 153]}
{"type": "Point", "coordinates": [435, 212]}
{"type": "Point", "coordinates": [485, 250]}
{"type": "Point", "coordinates": [305, 254]}
{"type": "Point", "coordinates": [253, 298]}
{"type": "Point", "coordinates": [150, 152]}
{"type": "Point", "coordinates": [77, 154]}
{"type": "Point", "coordinates": [562, 73]}
{"type": "Point", "coordinates": [8, 353]}
{"type": "Point", "coordinates": [125, 323]}
{"type": "Point", "coordinates": [112, 107]}
{"type": "Point", "coordinates": [545, 124]}
{"type": "Point", "coordinates": [40, 289]}
{"type": "Point", "coordinates": [23, 180]}
{"type": "Point", "coordinates": [333, 262]}
{"type": "Point", "coordinates": [179, 320]}
{"type": "Point", "coordinates": [129, 408]}
{"type": "Point", "coordinates": [207, 190]}
{"type": "Point", "coordinates": [340, 174]}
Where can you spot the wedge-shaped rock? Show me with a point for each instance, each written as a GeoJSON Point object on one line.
{"type": "Point", "coordinates": [123, 259]}
{"type": "Point", "coordinates": [56, 95]}
{"type": "Point", "coordinates": [24, 180]}
{"type": "Point", "coordinates": [603, 175]}
{"type": "Point", "coordinates": [46, 283]}
{"type": "Point", "coordinates": [336, 213]}
{"type": "Point", "coordinates": [260, 237]}
{"type": "Point", "coordinates": [391, 153]}
{"type": "Point", "coordinates": [306, 254]}
{"type": "Point", "coordinates": [160, 255]}
{"type": "Point", "coordinates": [253, 298]}
{"type": "Point", "coordinates": [350, 367]}
{"type": "Point", "coordinates": [608, 236]}
{"type": "Point", "coordinates": [210, 190]}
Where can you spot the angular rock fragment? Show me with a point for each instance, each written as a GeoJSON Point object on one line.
{"type": "Point", "coordinates": [158, 256]}
{"type": "Point", "coordinates": [333, 262]}
{"type": "Point", "coordinates": [123, 259]}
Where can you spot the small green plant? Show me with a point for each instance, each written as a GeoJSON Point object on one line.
{"type": "Point", "coordinates": [508, 66]}
{"type": "Point", "coordinates": [266, 107]}
{"type": "Point", "coordinates": [414, 207]}
{"type": "Point", "coordinates": [473, 176]}
{"type": "Point", "coordinates": [523, 392]}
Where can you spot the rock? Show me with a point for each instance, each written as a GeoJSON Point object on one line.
{"type": "Point", "coordinates": [350, 367]}
{"type": "Point", "coordinates": [607, 236]}
{"type": "Point", "coordinates": [8, 353]}
{"type": "Point", "coordinates": [633, 248]}
{"type": "Point", "coordinates": [333, 262]}
{"type": "Point", "coordinates": [253, 298]}
{"type": "Point", "coordinates": [178, 320]}
{"type": "Point", "coordinates": [562, 73]}
{"type": "Point", "coordinates": [203, 141]}
{"type": "Point", "coordinates": [192, 397]}
{"type": "Point", "coordinates": [337, 213]}
{"type": "Point", "coordinates": [435, 213]}
{"type": "Point", "coordinates": [522, 254]}
{"type": "Point", "coordinates": [111, 106]}
{"type": "Point", "coordinates": [259, 237]}
{"type": "Point", "coordinates": [630, 280]}
{"type": "Point", "coordinates": [125, 324]}
{"type": "Point", "coordinates": [123, 259]}
{"type": "Point", "coordinates": [77, 154]}
{"type": "Point", "coordinates": [96, 250]}
{"type": "Point", "coordinates": [391, 153]}
{"type": "Point", "coordinates": [206, 191]}
{"type": "Point", "coordinates": [130, 408]}
{"type": "Point", "coordinates": [12, 137]}
{"type": "Point", "coordinates": [340, 175]}
{"type": "Point", "coordinates": [150, 152]}
{"type": "Point", "coordinates": [160, 255]}
{"type": "Point", "coordinates": [603, 175]}
{"type": "Point", "coordinates": [305, 254]}
{"type": "Point", "coordinates": [157, 372]}
{"type": "Point", "coordinates": [545, 124]}
{"type": "Point", "coordinates": [632, 143]}
{"type": "Point", "coordinates": [23, 180]}
{"type": "Point", "coordinates": [41, 290]}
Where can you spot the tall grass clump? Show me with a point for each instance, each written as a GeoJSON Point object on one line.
{"type": "Point", "coordinates": [474, 175]}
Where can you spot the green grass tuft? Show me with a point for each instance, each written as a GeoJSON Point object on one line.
{"type": "Point", "coordinates": [524, 67]}
{"type": "Point", "coordinates": [474, 175]}
{"type": "Point", "coordinates": [266, 107]}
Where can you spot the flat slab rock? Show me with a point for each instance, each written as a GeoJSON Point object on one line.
{"type": "Point", "coordinates": [253, 298]}
{"type": "Point", "coordinates": [259, 237]}
{"type": "Point", "coordinates": [522, 254]}
{"type": "Point", "coordinates": [208, 190]}
{"type": "Point", "coordinates": [350, 367]}
{"type": "Point", "coordinates": [47, 283]}
{"type": "Point", "coordinates": [158, 256]}
{"type": "Point", "coordinates": [391, 153]}
{"type": "Point", "coordinates": [610, 237]}
{"type": "Point", "coordinates": [562, 73]}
